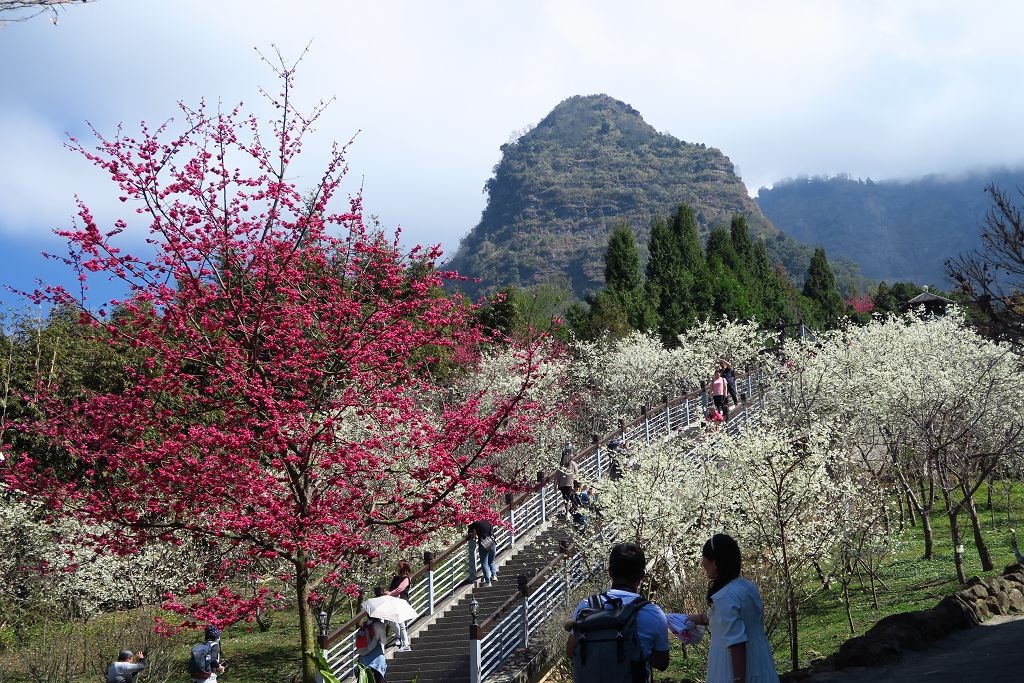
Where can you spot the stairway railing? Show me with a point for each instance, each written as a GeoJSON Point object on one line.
{"type": "Point", "coordinates": [442, 578]}
{"type": "Point", "coordinates": [509, 627]}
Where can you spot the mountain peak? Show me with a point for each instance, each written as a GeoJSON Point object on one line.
{"type": "Point", "coordinates": [580, 118]}
{"type": "Point", "coordinates": [561, 187]}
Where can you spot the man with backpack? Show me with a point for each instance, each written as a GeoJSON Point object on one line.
{"type": "Point", "coordinates": [618, 636]}
{"type": "Point", "coordinates": [205, 662]}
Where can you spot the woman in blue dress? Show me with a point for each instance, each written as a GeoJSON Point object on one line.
{"type": "Point", "coordinates": [739, 652]}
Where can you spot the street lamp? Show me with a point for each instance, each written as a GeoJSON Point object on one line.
{"type": "Point", "coordinates": [322, 620]}
{"type": "Point", "coordinates": [474, 609]}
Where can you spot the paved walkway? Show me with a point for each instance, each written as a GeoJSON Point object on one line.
{"type": "Point", "coordinates": [993, 651]}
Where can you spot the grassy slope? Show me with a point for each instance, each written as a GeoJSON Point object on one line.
{"type": "Point", "coordinates": [911, 583]}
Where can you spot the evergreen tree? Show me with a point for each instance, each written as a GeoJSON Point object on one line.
{"type": "Point", "coordinates": [697, 289]}
{"type": "Point", "coordinates": [720, 251]}
{"type": "Point", "coordinates": [501, 311]}
{"type": "Point", "coordinates": [667, 284]}
{"type": "Point", "coordinates": [621, 260]}
{"type": "Point", "coordinates": [731, 289]}
{"type": "Point", "coordinates": [826, 305]}
{"type": "Point", "coordinates": [739, 233]}
{"type": "Point", "coordinates": [777, 300]}
{"type": "Point", "coordinates": [623, 279]}
{"type": "Point", "coordinates": [607, 317]}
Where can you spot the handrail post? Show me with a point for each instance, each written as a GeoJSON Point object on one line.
{"type": "Point", "coordinates": [647, 425]}
{"type": "Point", "coordinates": [511, 521]}
{"type": "Point", "coordinates": [543, 501]}
{"type": "Point", "coordinates": [668, 415]}
{"type": "Point", "coordinates": [471, 559]}
{"type": "Point", "coordinates": [686, 402]}
{"type": "Point", "coordinates": [475, 655]}
{"type": "Point", "coordinates": [563, 545]}
{"type": "Point", "coordinates": [428, 561]}
{"type": "Point", "coordinates": [521, 580]}
{"type": "Point", "coordinates": [597, 453]}
{"type": "Point", "coordinates": [750, 386]}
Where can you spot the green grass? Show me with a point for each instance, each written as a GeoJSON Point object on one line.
{"type": "Point", "coordinates": [270, 657]}
{"type": "Point", "coordinates": [252, 656]}
{"type": "Point", "coordinates": [912, 583]}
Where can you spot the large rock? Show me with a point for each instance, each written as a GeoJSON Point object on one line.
{"type": "Point", "coordinates": [1016, 599]}
{"type": "Point", "coordinates": [977, 601]}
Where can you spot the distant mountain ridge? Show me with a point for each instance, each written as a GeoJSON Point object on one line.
{"type": "Point", "coordinates": [593, 161]}
{"type": "Point", "coordinates": [896, 231]}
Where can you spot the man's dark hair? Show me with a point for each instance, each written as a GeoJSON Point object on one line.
{"type": "Point", "coordinates": [627, 562]}
{"type": "Point", "coordinates": [125, 655]}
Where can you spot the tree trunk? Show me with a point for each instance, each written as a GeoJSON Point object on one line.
{"type": "Point", "coordinates": [847, 576]}
{"type": "Point", "coordinates": [874, 592]}
{"type": "Point", "coordinates": [954, 533]}
{"type": "Point", "coordinates": [307, 631]}
{"type": "Point", "coordinates": [991, 504]}
{"type": "Point", "coordinates": [794, 651]}
{"type": "Point", "coordinates": [929, 542]}
{"type": "Point", "coordinates": [925, 512]}
{"type": "Point", "coordinates": [979, 540]}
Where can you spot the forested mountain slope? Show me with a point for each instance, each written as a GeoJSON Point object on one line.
{"type": "Point", "coordinates": [895, 230]}
{"type": "Point", "coordinates": [558, 191]}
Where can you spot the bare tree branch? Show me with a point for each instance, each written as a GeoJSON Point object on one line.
{"type": "Point", "coordinates": [23, 10]}
{"type": "Point", "coordinates": [993, 276]}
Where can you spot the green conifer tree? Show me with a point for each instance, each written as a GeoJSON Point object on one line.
{"type": "Point", "coordinates": [826, 306]}
{"type": "Point", "coordinates": [731, 287]}
{"type": "Point", "coordinates": [666, 281]}
{"type": "Point", "coordinates": [777, 299]}
{"type": "Point", "coordinates": [697, 289]}
{"type": "Point", "coordinates": [623, 279]}
{"type": "Point", "coordinates": [739, 233]}
{"type": "Point", "coordinates": [622, 260]}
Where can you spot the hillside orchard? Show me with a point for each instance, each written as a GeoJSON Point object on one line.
{"type": "Point", "coordinates": [288, 398]}
{"type": "Point", "coordinates": [860, 431]}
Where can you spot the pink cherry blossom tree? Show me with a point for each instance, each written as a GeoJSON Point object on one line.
{"type": "Point", "coordinates": [303, 392]}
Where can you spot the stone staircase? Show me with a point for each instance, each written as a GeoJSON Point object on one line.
{"type": "Point", "coordinates": [440, 651]}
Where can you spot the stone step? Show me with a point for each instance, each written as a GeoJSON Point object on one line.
{"type": "Point", "coordinates": [440, 651]}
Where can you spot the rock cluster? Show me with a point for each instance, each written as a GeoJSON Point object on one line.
{"type": "Point", "coordinates": [975, 602]}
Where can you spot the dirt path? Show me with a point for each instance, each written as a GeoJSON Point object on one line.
{"type": "Point", "coordinates": [993, 651]}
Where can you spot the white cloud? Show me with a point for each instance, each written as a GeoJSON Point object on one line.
{"type": "Point", "coordinates": [872, 88]}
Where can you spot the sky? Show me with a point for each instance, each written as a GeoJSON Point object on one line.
{"type": "Point", "coordinates": [431, 90]}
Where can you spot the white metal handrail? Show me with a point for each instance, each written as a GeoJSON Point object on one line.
{"type": "Point", "coordinates": [437, 586]}
{"type": "Point", "coordinates": [514, 629]}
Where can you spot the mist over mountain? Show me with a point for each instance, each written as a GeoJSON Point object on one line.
{"type": "Point", "coordinates": [592, 162]}
{"type": "Point", "coordinates": [895, 230]}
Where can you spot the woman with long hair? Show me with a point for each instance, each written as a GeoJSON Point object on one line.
{"type": "Point", "coordinates": [565, 479]}
{"type": "Point", "coordinates": [399, 588]}
{"type": "Point", "coordinates": [739, 652]}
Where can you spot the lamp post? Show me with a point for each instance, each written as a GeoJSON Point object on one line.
{"type": "Point", "coordinates": [322, 622]}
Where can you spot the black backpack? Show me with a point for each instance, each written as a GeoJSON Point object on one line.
{"type": "Point", "coordinates": [607, 647]}
{"type": "Point", "coordinates": [205, 658]}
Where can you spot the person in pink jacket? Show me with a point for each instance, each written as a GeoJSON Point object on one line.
{"type": "Point", "coordinates": [719, 392]}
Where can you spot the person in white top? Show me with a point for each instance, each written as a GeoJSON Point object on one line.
{"type": "Point", "coordinates": [739, 652]}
